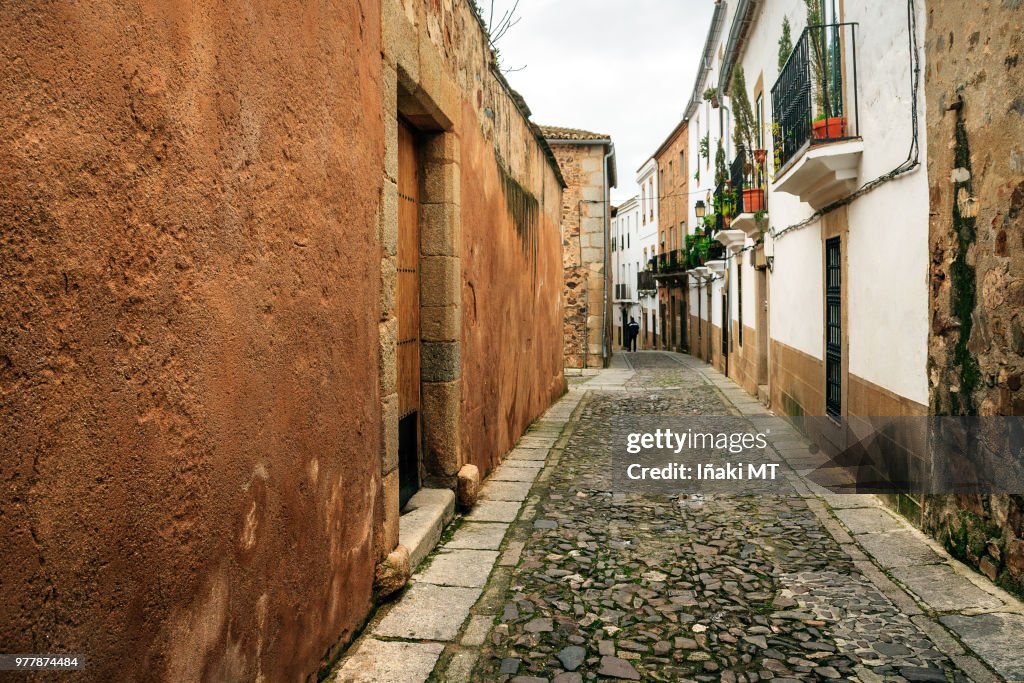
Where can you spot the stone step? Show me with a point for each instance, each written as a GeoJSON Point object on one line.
{"type": "Point", "coordinates": [423, 519]}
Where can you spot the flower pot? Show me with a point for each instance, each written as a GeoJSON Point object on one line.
{"type": "Point", "coordinates": [830, 128]}
{"type": "Point", "coordinates": [759, 156]}
{"type": "Point", "coordinates": [753, 200]}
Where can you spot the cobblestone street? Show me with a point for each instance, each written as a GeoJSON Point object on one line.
{"type": "Point", "coordinates": [588, 584]}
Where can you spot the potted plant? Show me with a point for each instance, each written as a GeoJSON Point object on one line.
{"type": "Point", "coordinates": [753, 200]}
{"type": "Point", "coordinates": [829, 123]}
{"type": "Point", "coordinates": [711, 95]}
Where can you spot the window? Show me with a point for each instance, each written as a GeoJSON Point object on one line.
{"type": "Point", "coordinates": [833, 330]}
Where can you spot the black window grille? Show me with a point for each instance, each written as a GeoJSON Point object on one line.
{"type": "Point", "coordinates": [725, 324]}
{"type": "Point", "coordinates": [833, 330]}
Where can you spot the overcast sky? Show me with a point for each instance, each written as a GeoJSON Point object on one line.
{"type": "Point", "coordinates": [622, 67]}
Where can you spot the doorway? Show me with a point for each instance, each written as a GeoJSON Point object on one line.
{"type": "Point", "coordinates": [408, 309]}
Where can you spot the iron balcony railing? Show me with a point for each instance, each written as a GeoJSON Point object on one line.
{"type": "Point", "coordinates": [720, 199]}
{"type": "Point", "coordinates": [814, 100]}
{"type": "Point", "coordinates": [645, 281]}
{"type": "Point", "coordinates": [737, 177]}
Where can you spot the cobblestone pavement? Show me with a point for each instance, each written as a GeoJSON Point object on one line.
{"type": "Point", "coordinates": [662, 588]}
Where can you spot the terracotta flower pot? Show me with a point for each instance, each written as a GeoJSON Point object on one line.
{"type": "Point", "coordinates": [832, 127]}
{"type": "Point", "coordinates": [753, 200]}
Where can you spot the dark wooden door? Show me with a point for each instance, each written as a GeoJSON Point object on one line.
{"type": "Point", "coordinates": [408, 305]}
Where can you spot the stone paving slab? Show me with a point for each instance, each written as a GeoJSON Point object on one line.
{"type": "Point", "coordinates": [944, 590]}
{"type": "Point", "coordinates": [382, 661]}
{"type": "Point", "coordinates": [535, 465]}
{"type": "Point", "coordinates": [478, 536]}
{"type": "Point", "coordinates": [840, 501]}
{"type": "Point", "coordinates": [506, 490]}
{"type": "Point", "coordinates": [999, 638]}
{"type": "Point", "coordinates": [513, 474]}
{"type": "Point", "coordinates": [459, 567]}
{"type": "Point", "coordinates": [867, 520]}
{"type": "Point", "coordinates": [901, 548]}
{"type": "Point", "coordinates": [528, 454]}
{"type": "Point", "coordinates": [428, 612]}
{"type": "Point", "coordinates": [493, 511]}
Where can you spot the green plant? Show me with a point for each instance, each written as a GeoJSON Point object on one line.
{"type": "Point", "coordinates": [711, 94]}
{"type": "Point", "coordinates": [777, 144]}
{"type": "Point", "coordinates": [705, 146]}
{"type": "Point", "coordinates": [696, 176]}
{"type": "Point", "coordinates": [743, 115]}
{"type": "Point", "coordinates": [785, 43]}
{"type": "Point", "coordinates": [721, 172]}
{"type": "Point", "coordinates": [823, 57]}
{"type": "Point", "coordinates": [760, 221]}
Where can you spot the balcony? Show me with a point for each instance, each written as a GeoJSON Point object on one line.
{"type": "Point", "coordinates": [670, 264]}
{"type": "Point", "coordinates": [746, 177]}
{"type": "Point", "coordinates": [816, 121]}
{"type": "Point", "coordinates": [623, 293]}
{"type": "Point", "coordinates": [645, 283]}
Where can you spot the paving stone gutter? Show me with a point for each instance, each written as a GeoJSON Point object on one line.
{"type": "Point", "coordinates": [463, 616]}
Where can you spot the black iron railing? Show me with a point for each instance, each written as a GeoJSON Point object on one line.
{"type": "Point", "coordinates": [814, 99]}
{"type": "Point", "coordinates": [716, 251]}
{"type": "Point", "coordinates": [720, 198]}
{"type": "Point", "coordinates": [738, 178]}
{"type": "Point", "coordinates": [645, 281]}
{"type": "Point", "coordinates": [652, 264]}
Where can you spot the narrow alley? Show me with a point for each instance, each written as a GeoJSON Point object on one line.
{"type": "Point", "coordinates": [589, 584]}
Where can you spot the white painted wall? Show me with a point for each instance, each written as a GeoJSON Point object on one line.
{"type": "Point", "coordinates": [887, 247]}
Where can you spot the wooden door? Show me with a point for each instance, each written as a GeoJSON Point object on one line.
{"type": "Point", "coordinates": [408, 305]}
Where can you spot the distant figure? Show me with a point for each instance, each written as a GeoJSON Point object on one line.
{"type": "Point", "coordinates": [634, 332]}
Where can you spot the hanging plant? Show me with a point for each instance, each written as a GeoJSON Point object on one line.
{"type": "Point", "coordinates": [705, 146]}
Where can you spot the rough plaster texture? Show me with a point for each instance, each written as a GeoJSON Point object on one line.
{"type": "Point", "coordinates": [673, 209]}
{"type": "Point", "coordinates": [976, 177]}
{"type": "Point", "coordinates": [189, 293]}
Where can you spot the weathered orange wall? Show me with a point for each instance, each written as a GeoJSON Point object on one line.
{"type": "Point", "coordinates": [511, 308]}
{"type": "Point", "coordinates": [188, 333]}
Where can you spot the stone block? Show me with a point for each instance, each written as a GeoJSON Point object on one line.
{"type": "Point", "coordinates": [389, 531]}
{"type": "Point", "coordinates": [441, 323]}
{"type": "Point", "coordinates": [468, 568]}
{"type": "Point", "coordinates": [439, 94]}
{"type": "Point", "coordinates": [391, 575]}
{"type": "Point", "coordinates": [388, 287]}
{"type": "Point", "coordinates": [441, 183]}
{"type": "Point", "coordinates": [429, 612]}
{"type": "Point", "coordinates": [943, 590]}
{"type": "Point", "coordinates": [440, 280]}
{"type": "Point", "coordinates": [442, 147]}
{"type": "Point", "coordinates": [389, 434]}
{"type": "Point", "coordinates": [506, 490]}
{"type": "Point", "coordinates": [385, 660]}
{"type": "Point", "coordinates": [469, 485]}
{"type": "Point", "coordinates": [479, 536]}
{"type": "Point", "coordinates": [400, 42]}
{"type": "Point", "coordinates": [441, 404]}
{"type": "Point", "coordinates": [387, 229]}
{"type": "Point", "coordinates": [996, 638]}
{"type": "Point", "coordinates": [440, 361]}
{"type": "Point", "coordinates": [423, 519]}
{"type": "Point", "coordinates": [868, 520]}
{"type": "Point", "coordinates": [388, 331]}
{"type": "Point", "coordinates": [441, 233]}
{"type": "Point", "coordinates": [494, 511]}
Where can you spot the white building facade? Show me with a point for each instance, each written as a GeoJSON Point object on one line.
{"type": "Point", "coordinates": [650, 323]}
{"type": "Point", "coordinates": [627, 267]}
{"type": "Point", "coordinates": [819, 303]}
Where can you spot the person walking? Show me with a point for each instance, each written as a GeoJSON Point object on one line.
{"type": "Point", "coordinates": [634, 332]}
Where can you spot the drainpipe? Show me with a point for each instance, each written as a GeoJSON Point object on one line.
{"type": "Point", "coordinates": [607, 236]}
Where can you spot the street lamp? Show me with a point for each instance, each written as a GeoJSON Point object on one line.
{"type": "Point", "coordinates": [699, 208]}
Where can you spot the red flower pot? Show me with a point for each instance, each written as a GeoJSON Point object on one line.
{"type": "Point", "coordinates": [832, 127]}
{"type": "Point", "coordinates": [753, 200]}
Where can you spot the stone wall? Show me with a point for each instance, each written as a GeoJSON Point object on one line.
{"type": "Point", "coordinates": [584, 245]}
{"type": "Point", "coordinates": [188, 302]}
{"type": "Point", "coordinates": [197, 338]}
{"type": "Point", "coordinates": [975, 127]}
